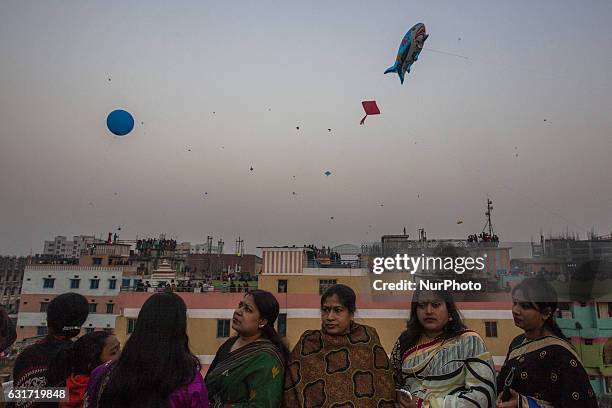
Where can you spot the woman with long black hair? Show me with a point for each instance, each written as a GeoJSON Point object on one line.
{"type": "Point", "coordinates": [437, 361]}
{"type": "Point", "coordinates": [249, 369]}
{"type": "Point", "coordinates": [542, 369]}
{"type": "Point", "coordinates": [156, 367]}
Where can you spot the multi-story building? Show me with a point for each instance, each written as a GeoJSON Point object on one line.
{"type": "Point", "coordinates": [574, 251]}
{"type": "Point", "coordinates": [41, 283]}
{"type": "Point", "coordinates": [589, 326]}
{"type": "Point", "coordinates": [61, 247]}
{"type": "Point", "coordinates": [11, 276]}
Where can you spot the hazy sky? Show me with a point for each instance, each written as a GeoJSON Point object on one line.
{"type": "Point", "coordinates": [446, 138]}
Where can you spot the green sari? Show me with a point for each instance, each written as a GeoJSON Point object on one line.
{"type": "Point", "coordinates": [251, 376]}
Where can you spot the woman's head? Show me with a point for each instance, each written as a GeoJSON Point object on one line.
{"type": "Point", "coordinates": [534, 302]}
{"type": "Point", "coordinates": [257, 309]}
{"type": "Point", "coordinates": [66, 314]}
{"type": "Point", "coordinates": [338, 305]}
{"type": "Point", "coordinates": [255, 315]}
{"type": "Point", "coordinates": [159, 345]}
{"type": "Point", "coordinates": [163, 316]}
{"type": "Point", "coordinates": [85, 354]}
{"type": "Point", "coordinates": [93, 349]}
{"type": "Point", "coordinates": [434, 312]}
{"type": "Point", "coordinates": [111, 349]}
{"type": "Point", "coordinates": [431, 312]}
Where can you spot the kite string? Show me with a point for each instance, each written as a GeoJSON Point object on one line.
{"type": "Point", "coordinates": [447, 53]}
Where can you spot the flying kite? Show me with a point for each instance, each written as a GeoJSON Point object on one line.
{"type": "Point", "coordinates": [327, 173]}
{"type": "Point", "coordinates": [120, 122]}
{"type": "Point", "coordinates": [409, 50]}
{"type": "Point", "coordinates": [370, 108]}
{"type": "Point", "coordinates": [459, 222]}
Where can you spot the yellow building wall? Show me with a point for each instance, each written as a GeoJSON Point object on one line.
{"type": "Point", "coordinates": [203, 338]}
{"type": "Point", "coordinates": [308, 284]}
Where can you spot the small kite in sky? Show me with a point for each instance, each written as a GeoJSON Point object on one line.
{"type": "Point", "coordinates": [297, 127]}
{"type": "Point", "coordinates": [370, 108]}
{"type": "Point", "coordinates": [459, 222]}
{"type": "Point", "coordinates": [251, 168]}
{"type": "Point", "coordinates": [294, 193]}
{"type": "Point", "coordinates": [409, 50]}
{"type": "Point", "coordinates": [328, 173]}
{"type": "Point", "coordinates": [331, 218]}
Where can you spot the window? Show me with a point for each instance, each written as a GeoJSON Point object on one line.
{"type": "Point", "coordinates": [93, 307]}
{"type": "Point", "coordinates": [125, 283]}
{"type": "Point", "coordinates": [223, 328]}
{"type": "Point", "coordinates": [89, 330]}
{"type": "Point", "coordinates": [41, 331]}
{"type": "Point", "coordinates": [75, 283]}
{"type": "Point", "coordinates": [282, 286]}
{"type": "Point", "coordinates": [109, 308]}
{"type": "Point", "coordinates": [565, 311]}
{"type": "Point", "coordinates": [326, 283]}
{"type": "Point", "coordinates": [112, 283]}
{"type": "Point", "coordinates": [97, 261]}
{"type": "Point", "coordinates": [282, 324]}
{"type": "Point", "coordinates": [94, 283]}
{"type": "Point", "coordinates": [131, 324]}
{"type": "Point", "coordinates": [491, 329]}
{"type": "Point", "coordinates": [44, 306]}
{"type": "Point", "coordinates": [48, 283]}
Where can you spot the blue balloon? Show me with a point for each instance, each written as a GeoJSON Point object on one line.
{"type": "Point", "coordinates": [120, 122]}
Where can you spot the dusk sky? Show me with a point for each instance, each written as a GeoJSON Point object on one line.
{"type": "Point", "coordinates": [526, 119]}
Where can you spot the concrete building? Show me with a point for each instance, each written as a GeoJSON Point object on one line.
{"type": "Point", "coordinates": [41, 283]}
{"type": "Point", "coordinates": [11, 277]}
{"type": "Point", "coordinates": [61, 247]}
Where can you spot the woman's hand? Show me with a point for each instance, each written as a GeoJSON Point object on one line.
{"type": "Point", "coordinates": [511, 403]}
{"type": "Point", "coordinates": [403, 400]}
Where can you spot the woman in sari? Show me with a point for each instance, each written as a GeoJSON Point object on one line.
{"type": "Point", "coordinates": [542, 370]}
{"type": "Point", "coordinates": [438, 361]}
{"type": "Point", "coordinates": [156, 368]}
{"type": "Point", "coordinates": [343, 365]}
{"type": "Point", "coordinates": [248, 369]}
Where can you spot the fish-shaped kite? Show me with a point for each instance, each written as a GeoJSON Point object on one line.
{"type": "Point", "coordinates": [409, 50]}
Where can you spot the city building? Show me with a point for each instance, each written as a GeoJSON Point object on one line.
{"type": "Point", "coordinates": [11, 277]}
{"type": "Point", "coordinates": [41, 283]}
{"type": "Point", "coordinates": [61, 247]}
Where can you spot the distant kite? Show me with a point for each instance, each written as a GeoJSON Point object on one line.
{"type": "Point", "coordinates": [409, 50]}
{"type": "Point", "coordinates": [459, 222]}
{"type": "Point", "coordinates": [328, 173]}
{"type": "Point", "coordinates": [120, 122]}
{"type": "Point", "coordinates": [370, 108]}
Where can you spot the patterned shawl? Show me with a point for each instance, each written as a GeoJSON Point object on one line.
{"type": "Point", "coordinates": [346, 371]}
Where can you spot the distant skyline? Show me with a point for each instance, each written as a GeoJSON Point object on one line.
{"type": "Point", "coordinates": [524, 119]}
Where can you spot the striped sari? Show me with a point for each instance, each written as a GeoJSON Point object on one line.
{"type": "Point", "coordinates": [447, 373]}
